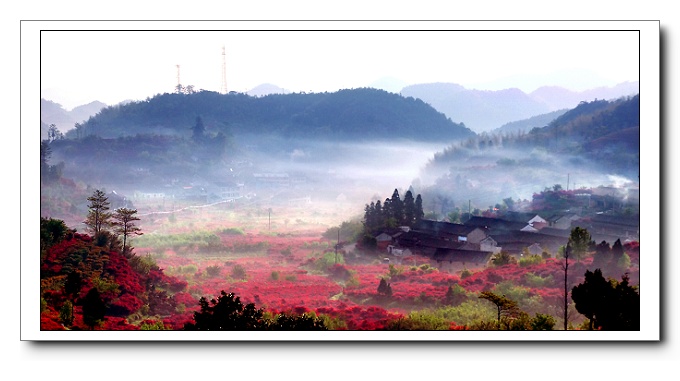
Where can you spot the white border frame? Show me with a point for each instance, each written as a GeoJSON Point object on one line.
{"type": "Point", "coordinates": [649, 178]}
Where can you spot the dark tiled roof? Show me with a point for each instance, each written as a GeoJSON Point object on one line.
{"type": "Point", "coordinates": [443, 228]}
{"type": "Point", "coordinates": [529, 238]}
{"type": "Point", "coordinates": [495, 224]}
{"type": "Point", "coordinates": [455, 255]}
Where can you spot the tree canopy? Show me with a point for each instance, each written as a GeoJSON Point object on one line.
{"type": "Point", "coordinates": [98, 216]}
{"type": "Point", "coordinates": [609, 305]}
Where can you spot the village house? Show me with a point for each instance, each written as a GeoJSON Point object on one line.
{"type": "Point", "coordinates": [450, 231]}
{"type": "Point", "coordinates": [516, 242]}
{"type": "Point", "coordinates": [454, 260]}
{"type": "Point", "coordinates": [563, 221]}
{"type": "Point", "coordinates": [489, 244]}
{"type": "Point", "coordinates": [495, 225]}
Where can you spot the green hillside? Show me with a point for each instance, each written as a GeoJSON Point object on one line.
{"type": "Point", "coordinates": [345, 114]}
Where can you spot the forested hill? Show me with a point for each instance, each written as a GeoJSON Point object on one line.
{"type": "Point", "coordinates": [345, 114]}
{"type": "Point", "coordinates": [604, 129]}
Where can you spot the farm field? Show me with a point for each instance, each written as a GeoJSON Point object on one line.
{"type": "Point", "coordinates": [281, 263]}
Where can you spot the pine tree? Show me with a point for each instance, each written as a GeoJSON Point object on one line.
{"type": "Point", "coordinates": [409, 209]}
{"type": "Point", "coordinates": [580, 240]}
{"type": "Point", "coordinates": [98, 216]}
{"type": "Point", "coordinates": [397, 207]}
{"type": "Point", "coordinates": [124, 224]}
{"type": "Point", "coordinates": [420, 214]}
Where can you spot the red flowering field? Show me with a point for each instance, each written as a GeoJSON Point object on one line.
{"type": "Point", "coordinates": [284, 267]}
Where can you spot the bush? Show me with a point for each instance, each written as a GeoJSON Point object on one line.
{"type": "Point", "coordinates": [465, 273]}
{"type": "Point", "coordinates": [536, 281]}
{"type": "Point", "coordinates": [503, 258]}
{"type": "Point", "coordinates": [426, 268]}
{"type": "Point", "coordinates": [291, 277]}
{"type": "Point", "coordinates": [232, 231]}
{"type": "Point", "coordinates": [238, 272]}
{"type": "Point", "coordinates": [213, 270]}
{"type": "Point", "coordinates": [530, 260]}
{"type": "Point", "coordinates": [275, 275]}
{"type": "Point", "coordinates": [188, 269]}
{"type": "Point", "coordinates": [419, 321]}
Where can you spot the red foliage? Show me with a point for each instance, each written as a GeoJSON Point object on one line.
{"type": "Point", "coordinates": [49, 321]}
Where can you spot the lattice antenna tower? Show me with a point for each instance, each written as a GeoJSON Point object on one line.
{"type": "Point", "coordinates": [179, 84]}
{"type": "Point", "coordinates": [224, 71]}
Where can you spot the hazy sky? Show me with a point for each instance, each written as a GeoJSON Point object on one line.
{"type": "Point", "coordinates": [78, 67]}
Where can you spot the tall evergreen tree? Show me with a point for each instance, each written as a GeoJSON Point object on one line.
{"type": "Point", "coordinates": [409, 209]}
{"type": "Point", "coordinates": [617, 250]}
{"type": "Point", "coordinates": [397, 207]}
{"type": "Point", "coordinates": [98, 217]}
{"type": "Point", "coordinates": [420, 214]}
{"type": "Point", "coordinates": [387, 213]}
{"type": "Point", "coordinates": [124, 224]}
{"type": "Point", "coordinates": [609, 305]}
{"type": "Point", "coordinates": [580, 240]}
{"type": "Point", "coordinates": [379, 213]}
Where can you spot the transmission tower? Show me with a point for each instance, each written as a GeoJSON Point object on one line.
{"type": "Point", "coordinates": [179, 84]}
{"type": "Point", "coordinates": [224, 71]}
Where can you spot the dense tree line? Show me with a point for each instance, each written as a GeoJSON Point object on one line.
{"type": "Point", "coordinates": [393, 212]}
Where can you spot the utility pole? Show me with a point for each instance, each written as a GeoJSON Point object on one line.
{"type": "Point", "coordinates": [566, 291]}
{"type": "Point", "coordinates": [337, 245]}
{"type": "Point", "coordinates": [567, 181]}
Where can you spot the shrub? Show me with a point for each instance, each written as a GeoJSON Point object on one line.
{"type": "Point", "coordinates": [232, 231]}
{"type": "Point", "coordinates": [66, 313]}
{"type": "Point", "coordinates": [465, 273]}
{"type": "Point", "coordinates": [238, 272]}
{"type": "Point", "coordinates": [291, 277]}
{"type": "Point", "coordinates": [503, 258]}
{"type": "Point", "coordinates": [395, 271]}
{"type": "Point", "coordinates": [426, 268]}
{"type": "Point", "coordinates": [536, 281]}
{"type": "Point", "coordinates": [213, 270]}
{"type": "Point", "coordinates": [150, 325]}
{"type": "Point", "coordinates": [143, 264]}
{"type": "Point", "coordinates": [275, 275]}
{"type": "Point", "coordinates": [530, 260]}
{"type": "Point", "coordinates": [542, 322]}
{"type": "Point", "coordinates": [287, 252]}
{"type": "Point", "coordinates": [419, 321]}
{"type": "Point", "coordinates": [188, 269]}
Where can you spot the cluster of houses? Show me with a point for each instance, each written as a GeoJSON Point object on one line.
{"type": "Point", "coordinates": [453, 247]}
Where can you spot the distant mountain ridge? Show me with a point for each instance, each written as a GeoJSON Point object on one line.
{"type": "Point", "coordinates": [54, 113]}
{"type": "Point", "coordinates": [486, 110]}
{"type": "Point", "coordinates": [526, 125]}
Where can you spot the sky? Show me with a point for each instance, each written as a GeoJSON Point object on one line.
{"type": "Point", "coordinates": [81, 66]}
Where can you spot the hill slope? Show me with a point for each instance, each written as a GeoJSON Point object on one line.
{"type": "Point", "coordinates": [487, 110]}
{"type": "Point", "coordinates": [345, 115]}
{"type": "Point", "coordinates": [586, 145]}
